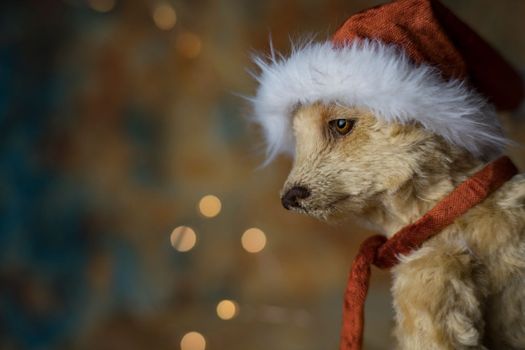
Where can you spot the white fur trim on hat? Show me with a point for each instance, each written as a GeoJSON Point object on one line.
{"type": "Point", "coordinates": [376, 76]}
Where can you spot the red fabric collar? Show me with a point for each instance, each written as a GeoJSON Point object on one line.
{"type": "Point", "coordinates": [383, 252]}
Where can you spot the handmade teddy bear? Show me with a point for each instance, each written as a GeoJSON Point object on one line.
{"type": "Point", "coordinates": [393, 122]}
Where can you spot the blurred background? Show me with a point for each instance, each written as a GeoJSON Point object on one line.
{"type": "Point", "coordinates": [132, 212]}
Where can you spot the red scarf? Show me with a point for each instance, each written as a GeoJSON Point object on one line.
{"type": "Point", "coordinates": [383, 252]}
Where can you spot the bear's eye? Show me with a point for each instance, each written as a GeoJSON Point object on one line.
{"type": "Point", "coordinates": [341, 126]}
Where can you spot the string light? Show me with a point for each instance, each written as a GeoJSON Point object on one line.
{"type": "Point", "coordinates": [164, 16]}
{"type": "Point", "coordinates": [253, 240]}
{"type": "Point", "coordinates": [227, 309]}
{"type": "Point", "coordinates": [102, 5]}
{"type": "Point", "coordinates": [193, 341]}
{"type": "Point", "coordinates": [210, 206]}
{"type": "Point", "coordinates": [189, 45]}
{"type": "Point", "coordinates": [183, 238]}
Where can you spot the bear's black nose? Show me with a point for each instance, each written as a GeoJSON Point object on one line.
{"type": "Point", "coordinates": [291, 197]}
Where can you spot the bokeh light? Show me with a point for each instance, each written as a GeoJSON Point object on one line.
{"type": "Point", "coordinates": [164, 16]}
{"type": "Point", "coordinates": [193, 341]}
{"type": "Point", "coordinates": [189, 45]}
{"type": "Point", "coordinates": [183, 238]}
{"type": "Point", "coordinates": [253, 240]}
{"type": "Point", "coordinates": [102, 5]}
{"type": "Point", "coordinates": [210, 206]}
{"type": "Point", "coordinates": [227, 309]}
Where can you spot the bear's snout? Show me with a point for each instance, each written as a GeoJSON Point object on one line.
{"type": "Point", "coordinates": [291, 198]}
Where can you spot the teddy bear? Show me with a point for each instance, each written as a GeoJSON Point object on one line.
{"type": "Point", "coordinates": [393, 122]}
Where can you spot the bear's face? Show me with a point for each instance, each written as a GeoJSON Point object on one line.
{"type": "Point", "coordinates": [346, 160]}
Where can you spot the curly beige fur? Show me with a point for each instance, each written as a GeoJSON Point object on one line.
{"type": "Point", "coordinates": [465, 288]}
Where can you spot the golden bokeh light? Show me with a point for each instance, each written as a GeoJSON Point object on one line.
{"type": "Point", "coordinates": [183, 238]}
{"type": "Point", "coordinates": [189, 45]}
{"type": "Point", "coordinates": [193, 341]}
{"type": "Point", "coordinates": [210, 206]}
{"type": "Point", "coordinates": [253, 240]}
{"type": "Point", "coordinates": [227, 309]}
{"type": "Point", "coordinates": [164, 16]}
{"type": "Point", "coordinates": [102, 5]}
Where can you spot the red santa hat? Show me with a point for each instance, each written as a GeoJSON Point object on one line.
{"type": "Point", "coordinates": [406, 61]}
